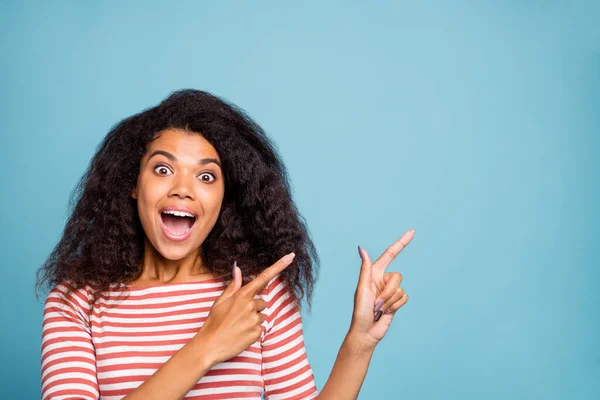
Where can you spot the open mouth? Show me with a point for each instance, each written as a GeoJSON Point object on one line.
{"type": "Point", "coordinates": [177, 224]}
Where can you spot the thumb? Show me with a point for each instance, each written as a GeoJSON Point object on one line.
{"type": "Point", "coordinates": [237, 277]}
{"type": "Point", "coordinates": [234, 285]}
{"type": "Point", "coordinates": [365, 268]}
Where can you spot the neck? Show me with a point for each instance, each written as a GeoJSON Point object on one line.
{"type": "Point", "coordinates": [162, 270]}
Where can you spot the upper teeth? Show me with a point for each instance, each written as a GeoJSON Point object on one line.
{"type": "Point", "coordinates": [178, 213]}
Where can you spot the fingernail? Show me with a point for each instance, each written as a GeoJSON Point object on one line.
{"type": "Point", "coordinates": [233, 269]}
{"type": "Point", "coordinates": [360, 252]}
{"type": "Point", "coordinates": [378, 315]}
{"type": "Point", "coordinates": [413, 230]}
{"type": "Point", "coordinates": [288, 258]}
{"type": "Point", "coordinates": [378, 305]}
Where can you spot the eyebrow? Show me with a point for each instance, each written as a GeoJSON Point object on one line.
{"type": "Point", "coordinates": [171, 157]}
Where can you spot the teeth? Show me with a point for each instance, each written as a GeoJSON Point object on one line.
{"type": "Point", "coordinates": [178, 213]}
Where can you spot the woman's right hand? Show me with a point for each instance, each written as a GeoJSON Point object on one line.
{"type": "Point", "coordinates": [235, 319]}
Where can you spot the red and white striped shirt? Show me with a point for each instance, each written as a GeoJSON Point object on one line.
{"type": "Point", "coordinates": [124, 341]}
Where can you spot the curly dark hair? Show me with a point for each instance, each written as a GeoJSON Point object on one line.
{"type": "Point", "coordinates": [103, 240]}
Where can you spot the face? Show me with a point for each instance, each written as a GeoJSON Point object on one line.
{"type": "Point", "coordinates": [179, 192]}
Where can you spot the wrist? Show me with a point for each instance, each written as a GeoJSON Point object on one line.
{"type": "Point", "coordinates": [359, 343]}
{"type": "Point", "coordinates": [204, 357]}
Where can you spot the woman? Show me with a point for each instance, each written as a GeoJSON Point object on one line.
{"type": "Point", "coordinates": [182, 266]}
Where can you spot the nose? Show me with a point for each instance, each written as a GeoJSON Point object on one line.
{"type": "Point", "coordinates": [182, 187]}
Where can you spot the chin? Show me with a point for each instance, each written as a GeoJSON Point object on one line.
{"type": "Point", "coordinates": [174, 254]}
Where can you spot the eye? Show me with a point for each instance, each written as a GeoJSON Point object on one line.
{"type": "Point", "coordinates": [207, 174]}
{"type": "Point", "coordinates": [162, 169]}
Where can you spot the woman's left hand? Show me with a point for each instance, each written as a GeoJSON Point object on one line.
{"type": "Point", "coordinates": [376, 288]}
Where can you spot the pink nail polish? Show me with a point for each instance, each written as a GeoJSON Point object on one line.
{"type": "Point", "coordinates": [378, 305]}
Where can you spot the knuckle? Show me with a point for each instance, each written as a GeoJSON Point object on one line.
{"type": "Point", "coordinates": [391, 254]}
{"type": "Point", "coordinates": [260, 304]}
{"type": "Point", "coordinates": [264, 276]}
{"type": "Point", "coordinates": [262, 279]}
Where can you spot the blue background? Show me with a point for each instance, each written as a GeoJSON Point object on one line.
{"type": "Point", "coordinates": [476, 123]}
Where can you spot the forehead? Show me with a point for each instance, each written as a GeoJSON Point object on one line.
{"type": "Point", "coordinates": [181, 143]}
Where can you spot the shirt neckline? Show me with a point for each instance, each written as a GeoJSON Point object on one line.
{"type": "Point", "coordinates": [174, 284]}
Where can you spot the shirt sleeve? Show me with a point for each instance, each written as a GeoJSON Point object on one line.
{"type": "Point", "coordinates": [68, 361]}
{"type": "Point", "coordinates": [286, 371]}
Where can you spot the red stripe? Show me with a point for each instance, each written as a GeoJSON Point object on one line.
{"type": "Point", "coordinates": [76, 394]}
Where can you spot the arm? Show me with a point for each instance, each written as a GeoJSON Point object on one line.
{"type": "Point", "coordinates": [349, 371]}
{"type": "Point", "coordinates": [68, 356]}
{"type": "Point", "coordinates": [285, 368]}
{"type": "Point", "coordinates": [175, 378]}
{"type": "Point", "coordinates": [286, 371]}
{"type": "Point", "coordinates": [376, 300]}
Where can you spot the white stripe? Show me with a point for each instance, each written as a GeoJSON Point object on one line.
{"type": "Point", "coordinates": [150, 329]}
{"type": "Point", "coordinates": [283, 348]}
{"type": "Point", "coordinates": [62, 306]}
{"type": "Point", "coordinates": [164, 359]}
{"type": "Point", "coordinates": [177, 287]}
{"type": "Point", "coordinates": [156, 300]}
{"type": "Point", "coordinates": [71, 364]}
{"type": "Point", "coordinates": [136, 339]}
{"type": "Point", "coordinates": [285, 335]}
{"type": "Point", "coordinates": [234, 389]}
{"type": "Point", "coordinates": [291, 393]}
{"type": "Point", "coordinates": [71, 386]}
{"type": "Point", "coordinates": [121, 349]}
{"type": "Point", "coordinates": [63, 325]}
{"type": "Point", "coordinates": [131, 360]}
{"type": "Point", "coordinates": [284, 360]}
{"type": "Point", "coordinates": [71, 298]}
{"type": "Point", "coordinates": [291, 381]}
{"type": "Point", "coordinates": [67, 355]}
{"type": "Point", "coordinates": [69, 345]}
{"type": "Point", "coordinates": [135, 384]}
{"type": "Point", "coordinates": [148, 320]}
{"type": "Point", "coordinates": [276, 290]}
{"type": "Point", "coordinates": [286, 371]}
{"type": "Point", "coordinates": [133, 311]}
{"type": "Point", "coordinates": [63, 335]}
{"type": "Point", "coordinates": [125, 373]}
{"type": "Point", "coordinates": [280, 326]}
{"type": "Point", "coordinates": [69, 375]}
{"type": "Point", "coordinates": [236, 365]}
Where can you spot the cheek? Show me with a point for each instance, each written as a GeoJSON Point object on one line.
{"type": "Point", "coordinates": [148, 195]}
{"type": "Point", "coordinates": [212, 202]}
{"type": "Point", "coordinates": [217, 200]}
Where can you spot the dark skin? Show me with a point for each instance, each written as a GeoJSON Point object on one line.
{"type": "Point", "coordinates": [235, 319]}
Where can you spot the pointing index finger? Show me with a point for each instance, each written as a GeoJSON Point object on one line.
{"type": "Point", "coordinates": [392, 251]}
{"type": "Point", "coordinates": [261, 281]}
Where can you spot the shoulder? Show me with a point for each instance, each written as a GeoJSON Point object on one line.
{"type": "Point", "coordinates": [67, 296]}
